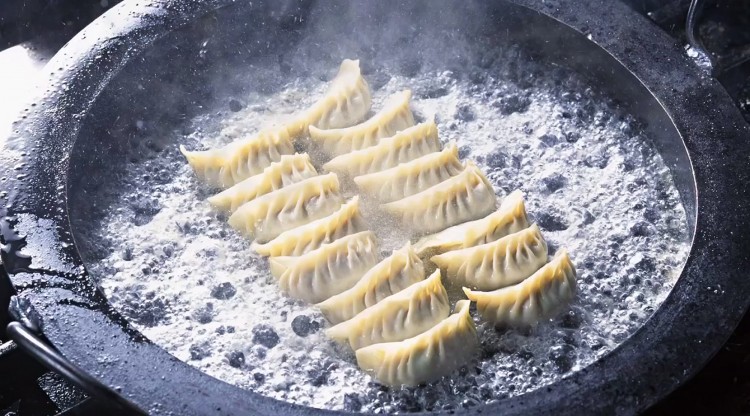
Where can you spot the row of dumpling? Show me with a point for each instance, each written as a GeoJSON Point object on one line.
{"type": "Point", "coordinates": [346, 103]}
{"type": "Point", "coordinates": [321, 252]}
{"type": "Point", "coordinates": [402, 166]}
{"type": "Point", "coordinates": [400, 324]}
{"type": "Point", "coordinates": [505, 259]}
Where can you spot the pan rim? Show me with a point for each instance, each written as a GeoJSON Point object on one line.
{"type": "Point", "coordinates": [610, 396]}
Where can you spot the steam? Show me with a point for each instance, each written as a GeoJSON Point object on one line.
{"type": "Point", "coordinates": [163, 257]}
{"type": "Point", "coordinates": [403, 38]}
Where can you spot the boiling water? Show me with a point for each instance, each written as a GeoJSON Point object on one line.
{"type": "Point", "coordinates": [591, 179]}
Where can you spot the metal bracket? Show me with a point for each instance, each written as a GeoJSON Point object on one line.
{"type": "Point", "coordinates": [53, 360]}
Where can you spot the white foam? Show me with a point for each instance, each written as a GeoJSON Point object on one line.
{"type": "Point", "coordinates": [186, 249]}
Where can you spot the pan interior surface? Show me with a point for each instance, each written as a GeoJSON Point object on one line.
{"type": "Point", "coordinates": [604, 172]}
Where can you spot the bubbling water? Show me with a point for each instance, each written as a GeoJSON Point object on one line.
{"type": "Point", "coordinates": [592, 181]}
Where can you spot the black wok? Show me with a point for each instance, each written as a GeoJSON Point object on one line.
{"type": "Point", "coordinates": [138, 62]}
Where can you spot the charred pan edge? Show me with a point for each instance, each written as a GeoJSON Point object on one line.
{"type": "Point", "coordinates": [661, 354]}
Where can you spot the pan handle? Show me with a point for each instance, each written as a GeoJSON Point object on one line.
{"type": "Point", "coordinates": [52, 359]}
{"type": "Point", "coordinates": [691, 25]}
{"type": "Point", "coordinates": [720, 64]}
{"type": "Point", "coordinates": [693, 37]}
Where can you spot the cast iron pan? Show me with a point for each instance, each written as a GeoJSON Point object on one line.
{"type": "Point", "coordinates": [698, 131]}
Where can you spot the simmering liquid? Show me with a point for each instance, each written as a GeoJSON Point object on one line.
{"type": "Point", "coordinates": [591, 179]}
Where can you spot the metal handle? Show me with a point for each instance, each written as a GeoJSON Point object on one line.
{"type": "Point", "coordinates": [691, 31]}
{"type": "Point", "coordinates": [721, 64]}
{"type": "Point", "coordinates": [691, 25]}
{"type": "Point", "coordinates": [52, 359]}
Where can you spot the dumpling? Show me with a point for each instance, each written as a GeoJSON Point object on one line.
{"type": "Point", "coordinates": [538, 298]}
{"type": "Point", "coordinates": [328, 270]}
{"type": "Point", "coordinates": [411, 177]}
{"type": "Point", "coordinates": [288, 170]}
{"type": "Point", "coordinates": [406, 314]}
{"type": "Point", "coordinates": [345, 104]}
{"type": "Point", "coordinates": [297, 241]}
{"type": "Point", "coordinates": [394, 117]}
{"type": "Point", "coordinates": [390, 151]}
{"type": "Point", "coordinates": [267, 216]}
{"type": "Point", "coordinates": [426, 357]}
{"type": "Point", "coordinates": [508, 219]}
{"type": "Point", "coordinates": [466, 196]}
{"type": "Point", "coordinates": [225, 166]}
{"type": "Point", "coordinates": [500, 263]}
{"type": "Point", "coordinates": [395, 273]}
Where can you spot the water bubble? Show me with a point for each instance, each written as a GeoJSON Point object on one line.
{"type": "Point", "coordinates": [265, 335]}
{"type": "Point", "coordinates": [154, 214]}
{"type": "Point", "coordinates": [236, 359]}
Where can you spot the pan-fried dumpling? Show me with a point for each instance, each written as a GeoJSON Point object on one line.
{"type": "Point", "coordinates": [500, 263]}
{"type": "Point", "coordinates": [406, 314]}
{"type": "Point", "coordinates": [411, 177]}
{"type": "Point", "coordinates": [402, 147]}
{"type": "Point", "coordinates": [395, 273]}
{"type": "Point", "coordinates": [464, 197]}
{"type": "Point", "coordinates": [394, 117]}
{"type": "Point", "coordinates": [328, 270]}
{"type": "Point", "coordinates": [288, 170]}
{"type": "Point", "coordinates": [346, 102]}
{"type": "Point", "coordinates": [426, 357]}
{"type": "Point", "coordinates": [267, 216]}
{"type": "Point", "coordinates": [538, 298]}
{"type": "Point", "coordinates": [508, 219]}
{"type": "Point", "coordinates": [297, 241]}
{"type": "Point", "coordinates": [225, 166]}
